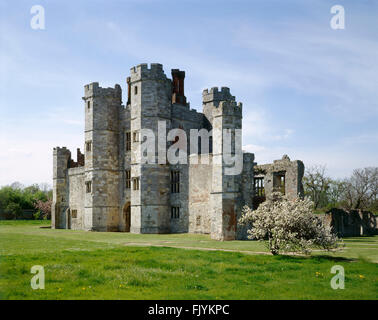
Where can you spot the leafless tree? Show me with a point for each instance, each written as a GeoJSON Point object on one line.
{"type": "Point", "coordinates": [316, 183]}
{"type": "Point", "coordinates": [362, 188]}
{"type": "Point", "coordinates": [336, 191]}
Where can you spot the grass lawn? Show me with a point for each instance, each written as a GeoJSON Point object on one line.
{"type": "Point", "coordinates": [92, 265]}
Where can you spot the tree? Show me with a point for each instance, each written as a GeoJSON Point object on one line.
{"type": "Point", "coordinates": [361, 189]}
{"type": "Point", "coordinates": [15, 198]}
{"type": "Point", "coordinates": [316, 184]}
{"type": "Point", "coordinates": [13, 210]}
{"type": "Point", "coordinates": [288, 225]}
{"type": "Point", "coordinates": [335, 192]}
{"type": "Point", "coordinates": [17, 185]}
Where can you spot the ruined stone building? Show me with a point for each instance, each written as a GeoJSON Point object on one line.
{"type": "Point", "coordinates": [109, 187]}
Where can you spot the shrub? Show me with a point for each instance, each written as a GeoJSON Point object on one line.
{"type": "Point", "coordinates": [288, 225]}
{"type": "Point", "coordinates": [44, 209]}
{"type": "Point", "coordinates": [13, 210]}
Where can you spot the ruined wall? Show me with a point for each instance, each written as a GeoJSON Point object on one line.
{"type": "Point", "coordinates": [292, 170]}
{"type": "Point", "coordinates": [76, 195]}
{"type": "Point", "coordinates": [351, 223]}
{"type": "Point", "coordinates": [200, 177]}
{"type": "Point", "coordinates": [246, 189]}
{"type": "Point", "coordinates": [61, 158]}
{"type": "Point", "coordinates": [184, 118]}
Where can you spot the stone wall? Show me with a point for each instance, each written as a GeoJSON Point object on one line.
{"type": "Point", "coordinates": [200, 177]}
{"type": "Point", "coordinates": [293, 172]}
{"type": "Point", "coordinates": [76, 196]}
{"type": "Point", "coordinates": [61, 159]}
{"type": "Point", "coordinates": [352, 223]}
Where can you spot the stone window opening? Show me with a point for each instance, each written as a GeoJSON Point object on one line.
{"type": "Point", "coordinates": [175, 212]}
{"type": "Point", "coordinates": [128, 141]}
{"type": "Point", "coordinates": [128, 179]}
{"type": "Point", "coordinates": [74, 213]}
{"type": "Point", "coordinates": [259, 187]}
{"type": "Point", "coordinates": [88, 105]}
{"type": "Point", "coordinates": [135, 136]}
{"type": "Point", "coordinates": [135, 90]}
{"type": "Point", "coordinates": [175, 181]}
{"type": "Point", "coordinates": [88, 186]}
{"type": "Point", "coordinates": [136, 183]}
{"type": "Point", "coordinates": [279, 182]}
{"type": "Point", "coordinates": [88, 146]}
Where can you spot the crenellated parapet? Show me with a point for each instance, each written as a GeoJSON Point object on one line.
{"type": "Point", "coordinates": [221, 103]}
{"type": "Point", "coordinates": [215, 96]}
{"type": "Point", "coordinates": [229, 108]}
{"type": "Point", "coordinates": [93, 90]}
{"type": "Point", "coordinates": [143, 72]}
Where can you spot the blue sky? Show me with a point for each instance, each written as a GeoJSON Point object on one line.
{"type": "Point", "coordinates": [307, 90]}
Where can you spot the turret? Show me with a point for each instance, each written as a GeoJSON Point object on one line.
{"type": "Point", "coordinates": [102, 108]}
{"type": "Point", "coordinates": [151, 94]}
{"type": "Point", "coordinates": [225, 117]}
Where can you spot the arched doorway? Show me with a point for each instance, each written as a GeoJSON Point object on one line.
{"type": "Point", "coordinates": [127, 216]}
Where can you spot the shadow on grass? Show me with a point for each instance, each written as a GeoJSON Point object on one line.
{"type": "Point", "coordinates": [363, 239]}
{"type": "Point", "coordinates": [333, 259]}
{"type": "Point", "coordinates": [318, 258]}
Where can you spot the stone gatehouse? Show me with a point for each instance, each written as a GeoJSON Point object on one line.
{"type": "Point", "coordinates": [110, 188]}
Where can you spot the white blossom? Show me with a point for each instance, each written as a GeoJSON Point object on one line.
{"type": "Point", "coordinates": [288, 225]}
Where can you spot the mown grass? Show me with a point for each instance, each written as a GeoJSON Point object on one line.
{"type": "Point", "coordinates": [87, 265]}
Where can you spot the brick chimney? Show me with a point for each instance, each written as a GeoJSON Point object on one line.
{"type": "Point", "coordinates": [178, 95]}
{"type": "Point", "coordinates": [128, 80]}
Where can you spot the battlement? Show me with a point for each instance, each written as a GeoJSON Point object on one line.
{"type": "Point", "coordinates": [142, 71]}
{"type": "Point", "coordinates": [94, 90]}
{"type": "Point", "coordinates": [215, 95]}
{"type": "Point", "coordinates": [229, 108]}
{"type": "Point", "coordinates": [61, 151]}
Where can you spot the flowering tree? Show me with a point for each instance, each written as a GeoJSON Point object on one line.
{"type": "Point", "coordinates": [44, 207]}
{"type": "Point", "coordinates": [288, 225]}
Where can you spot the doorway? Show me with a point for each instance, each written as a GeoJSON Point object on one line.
{"type": "Point", "coordinates": [127, 216]}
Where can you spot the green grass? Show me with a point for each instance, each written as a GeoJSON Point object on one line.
{"type": "Point", "coordinates": [91, 265]}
